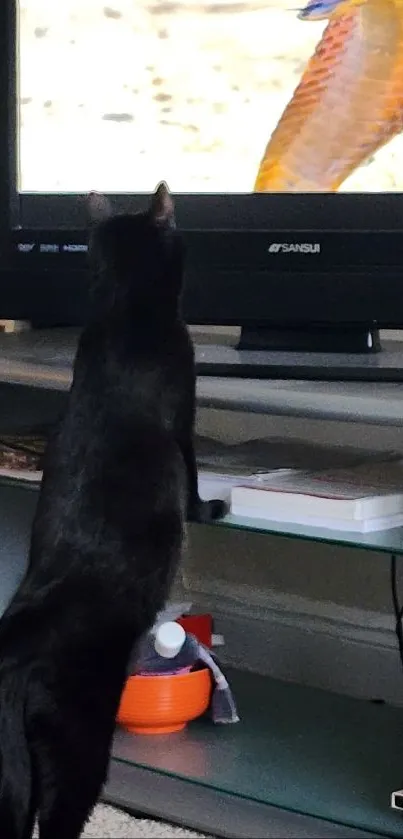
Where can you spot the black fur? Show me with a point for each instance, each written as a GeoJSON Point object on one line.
{"type": "Point", "coordinates": [119, 479]}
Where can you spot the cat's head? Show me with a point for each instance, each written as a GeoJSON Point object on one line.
{"type": "Point", "coordinates": [135, 257]}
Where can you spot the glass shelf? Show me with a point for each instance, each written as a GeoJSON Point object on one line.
{"type": "Point", "coordinates": [298, 748]}
{"type": "Point", "coordinates": [383, 541]}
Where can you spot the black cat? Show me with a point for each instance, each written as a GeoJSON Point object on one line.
{"type": "Point", "coordinates": [119, 481]}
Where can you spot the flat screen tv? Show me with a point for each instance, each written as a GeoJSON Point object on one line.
{"type": "Point", "coordinates": [277, 129]}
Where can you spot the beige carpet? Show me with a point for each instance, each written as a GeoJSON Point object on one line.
{"type": "Point", "coordinates": [109, 823]}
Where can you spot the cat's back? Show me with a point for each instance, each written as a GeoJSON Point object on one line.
{"type": "Point", "coordinates": [114, 450]}
{"type": "Point", "coordinates": [138, 369]}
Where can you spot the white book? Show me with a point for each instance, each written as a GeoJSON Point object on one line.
{"type": "Point", "coordinates": [370, 491]}
{"type": "Point", "coordinates": [343, 525]}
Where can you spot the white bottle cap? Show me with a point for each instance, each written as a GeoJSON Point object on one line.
{"type": "Point", "coordinates": [169, 639]}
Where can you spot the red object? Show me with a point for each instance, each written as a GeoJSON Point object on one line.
{"type": "Point", "coordinates": [201, 626]}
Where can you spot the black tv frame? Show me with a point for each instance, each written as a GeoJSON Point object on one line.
{"type": "Point", "coordinates": [330, 300]}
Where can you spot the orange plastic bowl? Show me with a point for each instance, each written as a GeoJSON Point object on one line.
{"type": "Point", "coordinates": [164, 704]}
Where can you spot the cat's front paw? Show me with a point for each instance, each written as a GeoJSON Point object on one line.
{"type": "Point", "coordinates": [207, 511]}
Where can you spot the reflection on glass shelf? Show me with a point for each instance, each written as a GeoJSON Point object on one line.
{"type": "Point", "coordinates": [19, 483]}
{"type": "Point", "coordinates": [384, 541]}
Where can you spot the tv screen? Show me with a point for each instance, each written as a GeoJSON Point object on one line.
{"type": "Point", "coordinates": [213, 96]}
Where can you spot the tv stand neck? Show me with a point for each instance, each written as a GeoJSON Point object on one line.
{"type": "Point", "coordinates": [320, 339]}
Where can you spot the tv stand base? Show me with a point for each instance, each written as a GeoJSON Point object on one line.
{"type": "Point", "coordinates": [320, 339]}
{"type": "Point", "coordinates": [225, 361]}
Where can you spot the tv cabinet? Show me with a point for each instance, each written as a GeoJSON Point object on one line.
{"type": "Point", "coordinates": [302, 762]}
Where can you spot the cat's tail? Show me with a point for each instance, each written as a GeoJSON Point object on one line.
{"type": "Point", "coordinates": [16, 798]}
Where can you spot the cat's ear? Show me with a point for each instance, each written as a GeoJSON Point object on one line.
{"type": "Point", "coordinates": [162, 208]}
{"type": "Point", "coordinates": [99, 207]}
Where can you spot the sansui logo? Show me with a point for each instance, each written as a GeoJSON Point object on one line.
{"type": "Point", "coordinates": [294, 247]}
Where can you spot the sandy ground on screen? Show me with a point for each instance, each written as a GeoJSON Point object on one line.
{"type": "Point", "coordinates": [116, 97]}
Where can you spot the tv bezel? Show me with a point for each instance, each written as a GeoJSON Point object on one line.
{"type": "Point", "coordinates": [232, 278]}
